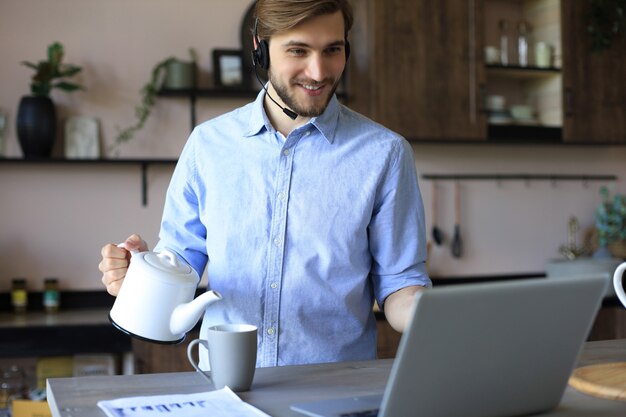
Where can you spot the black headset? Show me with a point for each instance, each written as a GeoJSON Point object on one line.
{"type": "Point", "coordinates": [261, 54]}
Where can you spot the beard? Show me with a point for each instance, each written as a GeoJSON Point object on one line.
{"type": "Point", "coordinates": [289, 99]}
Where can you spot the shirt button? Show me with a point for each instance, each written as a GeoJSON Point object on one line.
{"type": "Point", "coordinates": [270, 331]}
{"type": "Point", "coordinates": [286, 152]}
{"type": "Point", "coordinates": [281, 196]}
{"type": "Point", "coordinates": [277, 241]}
{"type": "Point", "coordinates": [274, 285]}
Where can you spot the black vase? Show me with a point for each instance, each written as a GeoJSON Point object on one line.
{"type": "Point", "coordinates": [36, 126]}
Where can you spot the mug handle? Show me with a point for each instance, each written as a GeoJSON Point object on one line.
{"type": "Point", "coordinates": [617, 283]}
{"type": "Point", "coordinates": [191, 359]}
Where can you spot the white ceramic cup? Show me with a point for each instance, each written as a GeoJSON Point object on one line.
{"type": "Point", "coordinates": [492, 55]}
{"type": "Point", "coordinates": [543, 55]}
{"type": "Point", "coordinates": [617, 283]}
{"type": "Point", "coordinates": [231, 353]}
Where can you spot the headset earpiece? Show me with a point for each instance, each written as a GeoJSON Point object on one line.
{"type": "Point", "coordinates": [261, 54]}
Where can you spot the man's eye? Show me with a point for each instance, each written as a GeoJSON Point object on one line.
{"type": "Point", "coordinates": [297, 52]}
{"type": "Point", "coordinates": [333, 50]}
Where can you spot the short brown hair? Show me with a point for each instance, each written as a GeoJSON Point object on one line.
{"type": "Point", "coordinates": [275, 16]}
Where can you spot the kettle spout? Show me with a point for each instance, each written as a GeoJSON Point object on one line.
{"type": "Point", "coordinates": [186, 315]}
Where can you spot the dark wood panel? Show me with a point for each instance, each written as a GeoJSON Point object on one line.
{"type": "Point", "coordinates": [151, 358]}
{"type": "Point", "coordinates": [387, 341]}
{"type": "Point", "coordinates": [62, 340]}
{"type": "Point", "coordinates": [426, 70]}
{"type": "Point", "coordinates": [594, 82]}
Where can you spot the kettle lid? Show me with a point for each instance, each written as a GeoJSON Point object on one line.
{"type": "Point", "coordinates": [166, 264]}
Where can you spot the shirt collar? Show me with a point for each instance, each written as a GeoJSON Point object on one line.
{"type": "Point", "coordinates": [325, 123]}
{"type": "Point", "coordinates": [258, 118]}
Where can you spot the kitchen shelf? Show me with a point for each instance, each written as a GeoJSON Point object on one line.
{"type": "Point", "coordinates": [515, 71]}
{"type": "Point", "coordinates": [194, 93]}
{"type": "Point", "coordinates": [217, 93]}
{"type": "Point", "coordinates": [520, 177]}
{"type": "Point", "coordinates": [143, 163]}
{"type": "Point", "coordinates": [524, 133]}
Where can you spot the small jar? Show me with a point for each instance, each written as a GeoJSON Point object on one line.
{"type": "Point", "coordinates": [19, 295]}
{"type": "Point", "coordinates": [522, 44]}
{"type": "Point", "coordinates": [503, 26]}
{"type": "Point", "coordinates": [51, 295]}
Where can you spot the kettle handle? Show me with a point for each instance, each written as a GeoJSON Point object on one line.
{"type": "Point", "coordinates": [165, 253]}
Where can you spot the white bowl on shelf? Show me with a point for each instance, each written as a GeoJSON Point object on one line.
{"type": "Point", "coordinates": [521, 112]}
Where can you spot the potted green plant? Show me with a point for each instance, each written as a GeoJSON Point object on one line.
{"type": "Point", "coordinates": [36, 116]}
{"type": "Point", "coordinates": [610, 220]}
{"type": "Point", "coordinates": [150, 90]}
{"type": "Point", "coordinates": [607, 19]}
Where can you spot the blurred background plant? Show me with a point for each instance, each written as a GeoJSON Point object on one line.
{"type": "Point", "coordinates": [148, 94]}
{"type": "Point", "coordinates": [610, 216]}
{"type": "Point", "coordinates": [46, 72]}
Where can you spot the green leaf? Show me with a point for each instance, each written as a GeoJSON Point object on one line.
{"type": "Point", "coordinates": [30, 65]}
{"type": "Point", "coordinates": [55, 54]}
{"type": "Point", "coordinates": [69, 70]}
{"type": "Point", "coordinates": [67, 86]}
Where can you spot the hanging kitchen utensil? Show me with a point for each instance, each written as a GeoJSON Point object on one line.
{"type": "Point", "coordinates": [457, 247]}
{"type": "Point", "coordinates": [437, 232]}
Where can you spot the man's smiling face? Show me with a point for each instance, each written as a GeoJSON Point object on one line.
{"type": "Point", "coordinates": [306, 63]}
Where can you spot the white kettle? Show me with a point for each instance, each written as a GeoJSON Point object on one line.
{"type": "Point", "coordinates": [156, 301]}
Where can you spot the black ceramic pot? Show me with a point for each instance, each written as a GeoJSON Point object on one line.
{"type": "Point", "coordinates": [36, 126]}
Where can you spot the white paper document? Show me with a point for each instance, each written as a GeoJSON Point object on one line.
{"type": "Point", "coordinates": [220, 403]}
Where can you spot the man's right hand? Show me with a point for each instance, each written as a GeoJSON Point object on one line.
{"type": "Point", "coordinates": [115, 261]}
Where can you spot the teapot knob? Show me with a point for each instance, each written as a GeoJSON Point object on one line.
{"type": "Point", "coordinates": [171, 257]}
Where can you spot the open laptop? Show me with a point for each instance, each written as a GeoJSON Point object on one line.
{"type": "Point", "coordinates": [490, 349]}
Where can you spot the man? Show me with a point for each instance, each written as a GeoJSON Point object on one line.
{"type": "Point", "coordinates": [301, 222]}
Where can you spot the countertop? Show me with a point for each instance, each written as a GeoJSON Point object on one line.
{"type": "Point", "coordinates": [79, 317]}
{"type": "Point", "coordinates": [68, 332]}
{"type": "Point", "coordinates": [274, 389]}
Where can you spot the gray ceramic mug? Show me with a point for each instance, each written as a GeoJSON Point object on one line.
{"type": "Point", "coordinates": [232, 355]}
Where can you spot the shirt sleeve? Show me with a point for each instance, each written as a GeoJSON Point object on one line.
{"type": "Point", "coordinates": [397, 230]}
{"type": "Point", "coordinates": [182, 230]}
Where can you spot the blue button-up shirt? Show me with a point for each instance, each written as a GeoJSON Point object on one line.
{"type": "Point", "coordinates": [298, 234]}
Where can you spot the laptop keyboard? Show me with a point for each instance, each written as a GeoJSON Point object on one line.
{"type": "Point", "coordinates": [364, 413]}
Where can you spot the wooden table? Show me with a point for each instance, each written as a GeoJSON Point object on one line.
{"type": "Point", "coordinates": [275, 389]}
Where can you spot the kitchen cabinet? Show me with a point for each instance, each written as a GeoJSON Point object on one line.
{"type": "Point", "coordinates": [152, 358]}
{"type": "Point", "coordinates": [415, 67]}
{"type": "Point", "coordinates": [419, 68]}
{"type": "Point", "coordinates": [156, 358]}
{"type": "Point", "coordinates": [593, 82]}
{"type": "Point", "coordinates": [610, 323]}
{"type": "Point", "coordinates": [516, 76]}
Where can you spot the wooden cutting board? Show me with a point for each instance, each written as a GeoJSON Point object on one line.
{"type": "Point", "coordinates": [605, 380]}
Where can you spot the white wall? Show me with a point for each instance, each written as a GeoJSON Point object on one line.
{"type": "Point", "coordinates": [513, 226]}
{"type": "Point", "coordinates": [55, 218]}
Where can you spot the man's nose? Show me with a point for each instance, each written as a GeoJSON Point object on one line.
{"type": "Point", "coordinates": [316, 67]}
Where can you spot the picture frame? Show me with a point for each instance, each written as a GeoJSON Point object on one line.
{"type": "Point", "coordinates": [228, 69]}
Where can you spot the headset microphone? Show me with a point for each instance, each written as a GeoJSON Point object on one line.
{"type": "Point", "coordinates": [261, 56]}
{"type": "Point", "coordinates": [290, 113]}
